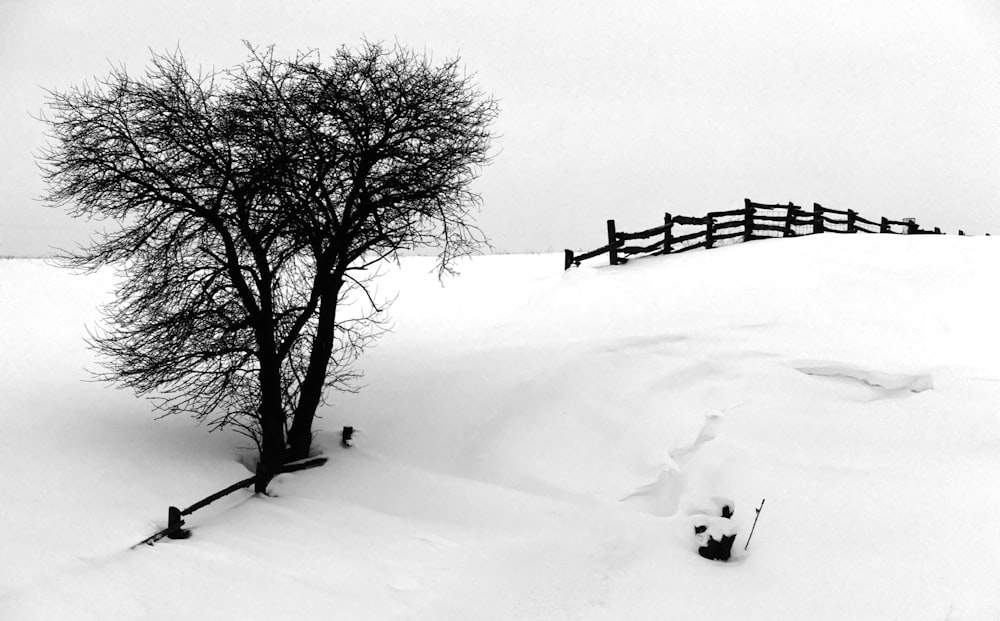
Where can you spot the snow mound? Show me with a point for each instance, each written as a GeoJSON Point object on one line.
{"type": "Point", "coordinates": [883, 385]}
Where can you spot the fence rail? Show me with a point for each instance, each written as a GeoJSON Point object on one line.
{"type": "Point", "coordinates": [754, 221]}
{"type": "Point", "coordinates": [175, 523]}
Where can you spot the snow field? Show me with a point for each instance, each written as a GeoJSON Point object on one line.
{"type": "Point", "coordinates": [533, 443]}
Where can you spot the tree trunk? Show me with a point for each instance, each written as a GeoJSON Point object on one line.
{"type": "Point", "coordinates": [272, 417]}
{"type": "Point", "coordinates": [311, 392]}
{"type": "Point", "coordinates": [272, 445]}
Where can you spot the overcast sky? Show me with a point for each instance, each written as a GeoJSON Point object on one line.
{"type": "Point", "coordinates": [608, 109]}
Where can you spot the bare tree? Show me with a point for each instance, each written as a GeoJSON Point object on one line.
{"type": "Point", "coordinates": [247, 205]}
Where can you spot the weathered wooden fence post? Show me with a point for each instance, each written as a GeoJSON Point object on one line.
{"type": "Point", "coordinates": [817, 218]}
{"type": "Point", "coordinates": [852, 221]}
{"type": "Point", "coordinates": [174, 523]}
{"type": "Point", "coordinates": [709, 232]}
{"type": "Point", "coordinates": [790, 217]}
{"type": "Point", "coordinates": [668, 232]}
{"type": "Point", "coordinates": [568, 259]}
{"type": "Point", "coordinates": [885, 225]}
{"type": "Point", "coordinates": [748, 220]}
{"type": "Point", "coordinates": [347, 436]}
{"type": "Point", "coordinates": [174, 517]}
{"type": "Point", "coordinates": [612, 243]}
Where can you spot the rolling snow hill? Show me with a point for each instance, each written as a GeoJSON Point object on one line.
{"type": "Point", "coordinates": [534, 444]}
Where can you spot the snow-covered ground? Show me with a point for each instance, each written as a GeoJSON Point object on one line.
{"type": "Point", "coordinates": [534, 443]}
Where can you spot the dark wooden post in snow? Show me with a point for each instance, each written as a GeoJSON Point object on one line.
{"type": "Point", "coordinates": [790, 218]}
{"type": "Point", "coordinates": [748, 220]}
{"type": "Point", "coordinates": [885, 225]}
{"type": "Point", "coordinates": [709, 232]}
{"type": "Point", "coordinates": [568, 260]}
{"type": "Point", "coordinates": [852, 221]}
{"type": "Point", "coordinates": [668, 232]}
{"type": "Point", "coordinates": [612, 243]}
{"type": "Point", "coordinates": [817, 218]}
{"type": "Point", "coordinates": [174, 523]}
{"type": "Point", "coordinates": [346, 437]}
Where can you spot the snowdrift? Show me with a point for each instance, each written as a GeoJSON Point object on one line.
{"type": "Point", "coordinates": [538, 444]}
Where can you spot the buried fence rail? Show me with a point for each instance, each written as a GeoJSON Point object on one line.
{"type": "Point", "coordinates": [175, 523]}
{"type": "Point", "coordinates": [754, 221]}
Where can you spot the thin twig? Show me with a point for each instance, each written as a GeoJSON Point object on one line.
{"type": "Point", "coordinates": [758, 509]}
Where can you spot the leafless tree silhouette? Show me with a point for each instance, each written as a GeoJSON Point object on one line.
{"type": "Point", "coordinates": [249, 205]}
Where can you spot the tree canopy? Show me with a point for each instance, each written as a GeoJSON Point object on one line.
{"type": "Point", "coordinates": [248, 205]}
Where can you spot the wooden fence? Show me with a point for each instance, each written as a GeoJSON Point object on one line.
{"type": "Point", "coordinates": [754, 221]}
{"type": "Point", "coordinates": [175, 523]}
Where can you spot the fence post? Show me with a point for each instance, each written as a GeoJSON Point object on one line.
{"type": "Point", "coordinates": [668, 232]}
{"type": "Point", "coordinates": [790, 216]}
{"type": "Point", "coordinates": [817, 218]}
{"type": "Point", "coordinates": [748, 220]}
{"type": "Point", "coordinates": [852, 221]}
{"type": "Point", "coordinates": [612, 243]}
{"type": "Point", "coordinates": [885, 225]}
{"type": "Point", "coordinates": [174, 523]}
{"type": "Point", "coordinates": [709, 232]}
{"type": "Point", "coordinates": [568, 259]}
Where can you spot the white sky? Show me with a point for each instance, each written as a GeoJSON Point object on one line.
{"type": "Point", "coordinates": [608, 109]}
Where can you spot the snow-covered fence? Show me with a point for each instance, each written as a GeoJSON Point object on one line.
{"type": "Point", "coordinates": [754, 221]}
{"type": "Point", "coordinates": [175, 523]}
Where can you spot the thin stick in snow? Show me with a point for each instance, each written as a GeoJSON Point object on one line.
{"type": "Point", "coordinates": [754, 523]}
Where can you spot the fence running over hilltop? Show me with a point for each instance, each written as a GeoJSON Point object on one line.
{"type": "Point", "coordinates": [754, 221]}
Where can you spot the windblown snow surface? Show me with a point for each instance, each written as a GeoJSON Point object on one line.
{"type": "Point", "coordinates": [536, 444]}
